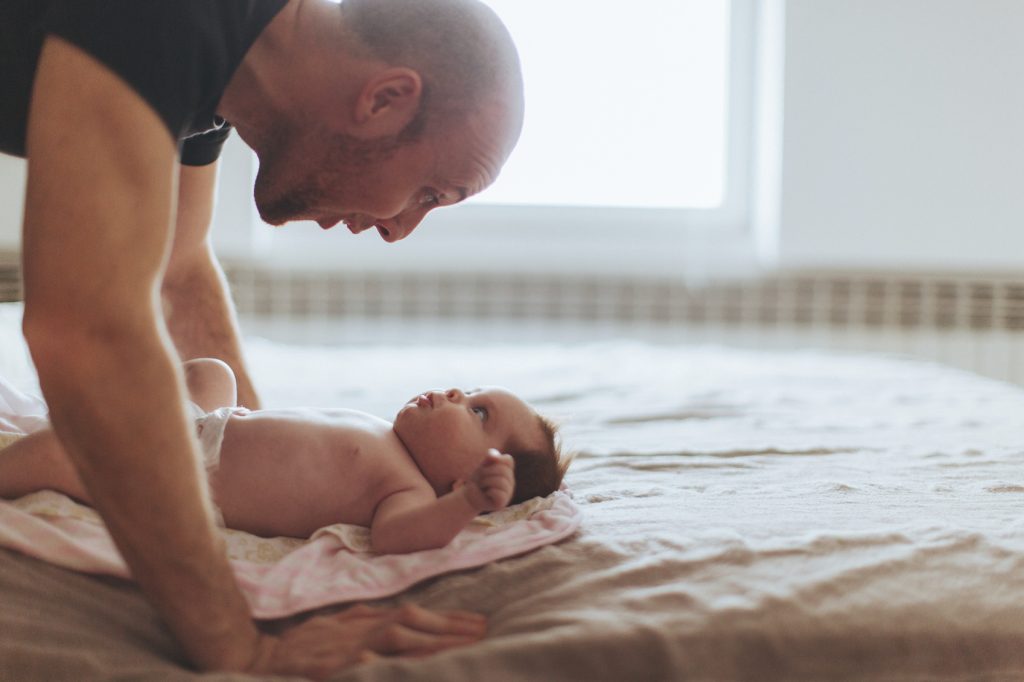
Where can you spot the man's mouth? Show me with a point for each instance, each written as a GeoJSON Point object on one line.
{"type": "Point", "coordinates": [357, 224]}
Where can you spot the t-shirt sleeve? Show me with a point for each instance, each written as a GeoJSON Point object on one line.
{"type": "Point", "coordinates": [204, 149]}
{"type": "Point", "coordinates": [161, 50]}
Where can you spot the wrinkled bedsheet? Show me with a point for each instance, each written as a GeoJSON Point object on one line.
{"type": "Point", "coordinates": [747, 515]}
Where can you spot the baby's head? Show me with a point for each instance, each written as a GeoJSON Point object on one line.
{"type": "Point", "coordinates": [448, 434]}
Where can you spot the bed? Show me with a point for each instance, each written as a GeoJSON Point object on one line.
{"type": "Point", "coordinates": [747, 516]}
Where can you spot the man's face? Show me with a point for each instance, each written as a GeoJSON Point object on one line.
{"type": "Point", "coordinates": [448, 433]}
{"type": "Point", "coordinates": [379, 183]}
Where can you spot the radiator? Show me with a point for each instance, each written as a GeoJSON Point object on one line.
{"type": "Point", "coordinates": [972, 322]}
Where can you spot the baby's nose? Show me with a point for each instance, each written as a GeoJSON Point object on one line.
{"type": "Point", "coordinates": [454, 395]}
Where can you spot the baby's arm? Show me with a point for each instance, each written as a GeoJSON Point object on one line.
{"type": "Point", "coordinates": [411, 520]}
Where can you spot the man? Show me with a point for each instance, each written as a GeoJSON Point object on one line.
{"type": "Point", "coordinates": [370, 113]}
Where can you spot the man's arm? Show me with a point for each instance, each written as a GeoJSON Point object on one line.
{"type": "Point", "coordinates": [197, 306]}
{"type": "Point", "coordinates": [98, 212]}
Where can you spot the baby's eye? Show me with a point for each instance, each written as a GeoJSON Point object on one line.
{"type": "Point", "coordinates": [430, 199]}
{"type": "Point", "coordinates": [481, 412]}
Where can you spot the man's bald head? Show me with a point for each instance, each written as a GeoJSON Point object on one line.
{"type": "Point", "coordinates": [375, 112]}
{"type": "Point", "coordinates": [461, 50]}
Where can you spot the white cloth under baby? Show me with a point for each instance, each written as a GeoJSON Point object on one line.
{"type": "Point", "coordinates": [284, 576]}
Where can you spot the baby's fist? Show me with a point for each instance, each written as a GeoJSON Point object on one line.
{"type": "Point", "coordinates": [491, 485]}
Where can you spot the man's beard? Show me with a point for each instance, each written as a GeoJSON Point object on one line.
{"type": "Point", "coordinates": [339, 178]}
{"type": "Point", "coordinates": [286, 207]}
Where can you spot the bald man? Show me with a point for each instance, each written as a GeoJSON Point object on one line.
{"type": "Point", "coordinates": [370, 113]}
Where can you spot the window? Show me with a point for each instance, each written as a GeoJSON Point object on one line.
{"type": "Point", "coordinates": [635, 155]}
{"type": "Point", "coordinates": [627, 104]}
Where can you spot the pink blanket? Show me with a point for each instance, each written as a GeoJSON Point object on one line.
{"type": "Point", "coordinates": [279, 576]}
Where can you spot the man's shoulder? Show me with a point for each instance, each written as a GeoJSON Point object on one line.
{"type": "Point", "coordinates": [177, 54]}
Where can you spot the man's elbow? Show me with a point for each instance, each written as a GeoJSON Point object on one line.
{"type": "Point", "coordinates": [55, 344]}
{"type": "Point", "coordinates": [64, 342]}
{"type": "Point", "coordinates": [45, 333]}
{"type": "Point", "coordinates": [53, 320]}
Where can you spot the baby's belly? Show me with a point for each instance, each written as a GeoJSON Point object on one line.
{"type": "Point", "coordinates": [272, 481]}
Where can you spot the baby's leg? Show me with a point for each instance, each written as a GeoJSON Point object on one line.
{"type": "Point", "coordinates": [38, 462]}
{"type": "Point", "coordinates": [211, 384]}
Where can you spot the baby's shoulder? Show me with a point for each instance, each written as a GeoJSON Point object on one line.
{"type": "Point", "coordinates": [372, 436]}
{"type": "Point", "coordinates": [366, 429]}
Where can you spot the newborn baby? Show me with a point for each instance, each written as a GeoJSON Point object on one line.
{"type": "Point", "coordinates": [415, 482]}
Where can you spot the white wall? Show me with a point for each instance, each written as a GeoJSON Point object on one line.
{"type": "Point", "coordinates": [904, 134]}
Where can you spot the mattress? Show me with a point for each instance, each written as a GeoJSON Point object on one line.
{"type": "Point", "coordinates": [747, 516]}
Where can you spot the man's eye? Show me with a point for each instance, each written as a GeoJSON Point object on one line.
{"type": "Point", "coordinates": [481, 412]}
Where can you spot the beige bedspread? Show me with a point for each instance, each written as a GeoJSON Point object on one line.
{"type": "Point", "coordinates": [748, 515]}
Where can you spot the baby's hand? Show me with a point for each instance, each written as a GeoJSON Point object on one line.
{"type": "Point", "coordinates": [491, 485]}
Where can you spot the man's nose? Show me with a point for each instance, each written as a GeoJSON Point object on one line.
{"type": "Point", "coordinates": [401, 226]}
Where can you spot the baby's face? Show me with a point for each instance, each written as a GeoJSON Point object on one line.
{"type": "Point", "coordinates": [449, 432]}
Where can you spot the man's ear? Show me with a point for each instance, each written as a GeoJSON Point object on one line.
{"type": "Point", "coordinates": [388, 102]}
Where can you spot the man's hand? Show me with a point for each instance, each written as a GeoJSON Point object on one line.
{"type": "Point", "coordinates": [491, 486]}
{"type": "Point", "coordinates": [321, 646]}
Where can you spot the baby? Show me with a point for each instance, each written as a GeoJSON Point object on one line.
{"type": "Point", "coordinates": [415, 482]}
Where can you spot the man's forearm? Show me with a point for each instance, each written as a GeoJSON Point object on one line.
{"type": "Point", "coordinates": [197, 307]}
{"type": "Point", "coordinates": [99, 203]}
{"type": "Point", "coordinates": [202, 321]}
{"type": "Point", "coordinates": [116, 405]}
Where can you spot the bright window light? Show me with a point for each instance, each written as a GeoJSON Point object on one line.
{"type": "Point", "coordinates": [635, 159]}
{"type": "Point", "coordinates": [627, 103]}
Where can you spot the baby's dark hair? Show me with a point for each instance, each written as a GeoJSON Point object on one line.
{"type": "Point", "coordinates": [539, 472]}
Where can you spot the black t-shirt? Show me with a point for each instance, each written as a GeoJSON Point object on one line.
{"type": "Point", "coordinates": [177, 54]}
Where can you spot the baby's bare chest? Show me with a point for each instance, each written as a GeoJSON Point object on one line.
{"type": "Point", "coordinates": [336, 464]}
